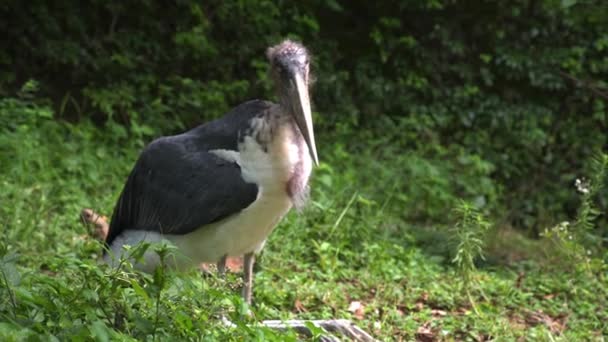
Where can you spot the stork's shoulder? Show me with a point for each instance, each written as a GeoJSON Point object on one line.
{"type": "Point", "coordinates": [250, 108]}
{"type": "Point", "coordinates": [224, 132]}
{"type": "Point", "coordinates": [238, 116]}
{"type": "Point", "coordinates": [166, 148]}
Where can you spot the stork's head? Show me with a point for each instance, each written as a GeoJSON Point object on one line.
{"type": "Point", "coordinates": [290, 64]}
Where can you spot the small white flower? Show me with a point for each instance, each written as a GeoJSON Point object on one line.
{"type": "Point", "coordinates": [563, 226]}
{"type": "Point", "coordinates": [582, 186]}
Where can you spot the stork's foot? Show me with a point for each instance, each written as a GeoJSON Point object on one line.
{"type": "Point", "coordinates": [98, 222]}
{"type": "Point", "coordinates": [230, 265]}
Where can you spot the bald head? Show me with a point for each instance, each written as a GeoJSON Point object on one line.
{"type": "Point", "coordinates": [288, 57]}
{"type": "Point", "coordinates": [287, 50]}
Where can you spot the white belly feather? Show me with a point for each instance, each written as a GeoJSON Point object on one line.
{"type": "Point", "coordinates": [247, 230]}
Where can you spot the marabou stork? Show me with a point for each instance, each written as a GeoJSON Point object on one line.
{"type": "Point", "coordinates": [219, 189]}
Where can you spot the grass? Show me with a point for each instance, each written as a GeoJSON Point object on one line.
{"type": "Point", "coordinates": [353, 243]}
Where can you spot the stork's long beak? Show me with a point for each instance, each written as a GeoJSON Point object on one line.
{"type": "Point", "coordinates": [300, 103]}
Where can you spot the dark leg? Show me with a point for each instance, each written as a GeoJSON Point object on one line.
{"type": "Point", "coordinates": [221, 267]}
{"type": "Point", "coordinates": [248, 277]}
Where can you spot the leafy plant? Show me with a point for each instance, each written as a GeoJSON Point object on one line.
{"type": "Point", "coordinates": [581, 242]}
{"type": "Point", "coordinates": [469, 232]}
{"type": "Point", "coordinates": [588, 212]}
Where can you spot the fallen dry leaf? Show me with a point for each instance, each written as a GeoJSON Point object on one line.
{"type": "Point", "coordinates": [354, 306]}
{"type": "Point", "coordinates": [424, 333]}
{"type": "Point", "coordinates": [483, 338]}
{"type": "Point", "coordinates": [555, 324]}
{"type": "Point", "coordinates": [463, 311]}
{"type": "Point", "coordinates": [424, 297]}
{"type": "Point", "coordinates": [517, 322]}
{"type": "Point", "coordinates": [44, 268]}
{"type": "Point", "coordinates": [357, 309]}
{"type": "Point", "coordinates": [520, 279]}
{"type": "Point", "coordinates": [299, 306]}
{"type": "Point", "coordinates": [438, 313]}
{"type": "Point", "coordinates": [377, 327]}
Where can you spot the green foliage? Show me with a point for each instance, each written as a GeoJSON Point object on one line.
{"type": "Point", "coordinates": [588, 212]}
{"type": "Point", "coordinates": [485, 80]}
{"type": "Point", "coordinates": [582, 243]}
{"type": "Point", "coordinates": [352, 243]}
{"type": "Point", "coordinates": [74, 299]}
{"type": "Point", "coordinates": [469, 233]}
{"type": "Point", "coordinates": [470, 69]}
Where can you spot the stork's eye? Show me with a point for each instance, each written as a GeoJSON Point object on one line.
{"type": "Point", "coordinates": [282, 68]}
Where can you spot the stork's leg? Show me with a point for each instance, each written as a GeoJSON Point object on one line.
{"type": "Point", "coordinates": [248, 276]}
{"type": "Point", "coordinates": [221, 267]}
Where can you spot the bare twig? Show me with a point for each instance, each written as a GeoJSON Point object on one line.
{"type": "Point", "coordinates": [586, 84]}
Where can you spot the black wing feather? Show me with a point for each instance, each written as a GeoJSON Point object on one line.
{"type": "Point", "coordinates": [173, 191]}
{"type": "Point", "coordinates": [177, 185]}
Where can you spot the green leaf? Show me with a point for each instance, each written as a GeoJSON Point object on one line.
{"type": "Point", "coordinates": [100, 331]}
{"type": "Point", "coordinates": [139, 291]}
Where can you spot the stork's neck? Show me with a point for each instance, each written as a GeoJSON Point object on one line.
{"type": "Point", "coordinates": [280, 115]}
{"type": "Point", "coordinates": [285, 105]}
{"type": "Point", "coordinates": [285, 143]}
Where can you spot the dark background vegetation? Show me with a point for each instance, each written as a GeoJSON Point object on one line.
{"type": "Point", "coordinates": [503, 101]}
{"type": "Point", "coordinates": [417, 106]}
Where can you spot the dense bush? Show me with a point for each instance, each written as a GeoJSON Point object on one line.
{"type": "Point", "coordinates": [497, 102]}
